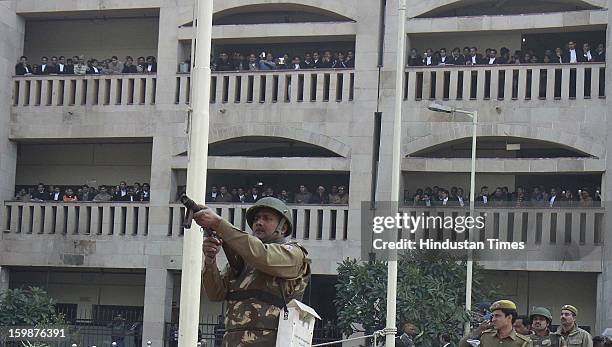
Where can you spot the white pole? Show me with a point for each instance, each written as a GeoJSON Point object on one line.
{"type": "Point", "coordinates": [469, 265]}
{"type": "Point", "coordinates": [196, 173]}
{"type": "Point", "coordinates": [395, 173]}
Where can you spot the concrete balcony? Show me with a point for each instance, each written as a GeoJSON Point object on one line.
{"type": "Point", "coordinates": [132, 235]}
{"type": "Point", "coordinates": [510, 83]}
{"type": "Point", "coordinates": [128, 235]}
{"type": "Point", "coordinates": [552, 236]}
{"type": "Point", "coordinates": [276, 86]}
{"type": "Point", "coordinates": [88, 90]}
{"type": "Point", "coordinates": [138, 89]}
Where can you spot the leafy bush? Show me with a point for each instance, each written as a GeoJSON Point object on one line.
{"type": "Point", "coordinates": [430, 294]}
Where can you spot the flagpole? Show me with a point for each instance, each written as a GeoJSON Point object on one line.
{"type": "Point", "coordinates": [189, 314]}
{"type": "Point", "coordinates": [391, 328]}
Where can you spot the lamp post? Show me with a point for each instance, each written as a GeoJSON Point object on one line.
{"type": "Point", "coordinates": [474, 115]}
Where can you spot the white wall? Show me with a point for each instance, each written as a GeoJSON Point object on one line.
{"type": "Point", "coordinates": [92, 38]}
{"type": "Point", "coordinates": [497, 40]}
{"type": "Point", "coordinates": [74, 164]}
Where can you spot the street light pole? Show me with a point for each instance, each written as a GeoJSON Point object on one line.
{"type": "Point", "coordinates": [469, 264]}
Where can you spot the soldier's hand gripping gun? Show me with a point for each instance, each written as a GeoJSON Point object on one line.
{"type": "Point", "coordinates": [192, 207]}
{"type": "Point", "coordinates": [235, 261]}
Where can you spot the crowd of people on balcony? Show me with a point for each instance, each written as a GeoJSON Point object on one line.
{"type": "Point", "coordinates": [471, 56]}
{"type": "Point", "coordinates": [501, 196]}
{"type": "Point", "coordinates": [77, 65]}
{"type": "Point", "coordinates": [120, 193]}
{"type": "Point", "coordinates": [337, 195]}
{"type": "Point", "coordinates": [268, 61]}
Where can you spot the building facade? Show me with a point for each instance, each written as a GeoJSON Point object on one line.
{"type": "Point", "coordinates": [539, 124]}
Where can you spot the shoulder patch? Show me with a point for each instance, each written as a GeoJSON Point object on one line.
{"type": "Point", "coordinates": [523, 337]}
{"type": "Point", "coordinates": [288, 247]}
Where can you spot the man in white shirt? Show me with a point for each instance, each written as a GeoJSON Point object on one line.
{"type": "Point", "coordinates": [553, 197]}
{"type": "Point", "coordinates": [573, 55]}
{"type": "Point", "coordinates": [57, 195]}
{"type": "Point", "coordinates": [484, 195]}
{"type": "Point", "coordinates": [443, 58]}
{"type": "Point", "coordinates": [586, 52]}
{"type": "Point", "coordinates": [61, 65]}
{"type": "Point", "coordinates": [212, 196]}
{"type": "Point", "coordinates": [44, 68]}
{"type": "Point", "coordinates": [428, 58]}
{"type": "Point", "coordinates": [492, 57]}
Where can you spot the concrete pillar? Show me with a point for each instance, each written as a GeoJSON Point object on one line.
{"type": "Point", "coordinates": [366, 56]}
{"type": "Point", "coordinates": [159, 286]}
{"type": "Point", "coordinates": [4, 278]}
{"type": "Point", "coordinates": [604, 283]}
{"type": "Point", "coordinates": [11, 47]}
{"type": "Point", "coordinates": [167, 52]}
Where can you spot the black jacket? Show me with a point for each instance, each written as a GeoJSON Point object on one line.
{"type": "Point", "coordinates": [20, 70]}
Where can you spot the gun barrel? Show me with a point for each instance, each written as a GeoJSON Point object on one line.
{"type": "Point", "coordinates": [189, 204]}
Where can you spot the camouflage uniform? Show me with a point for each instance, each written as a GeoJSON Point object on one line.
{"type": "Point", "coordinates": [575, 337]}
{"type": "Point", "coordinates": [259, 279]}
{"type": "Point", "coordinates": [550, 339]}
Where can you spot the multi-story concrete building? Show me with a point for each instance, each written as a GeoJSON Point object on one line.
{"type": "Point", "coordinates": [296, 127]}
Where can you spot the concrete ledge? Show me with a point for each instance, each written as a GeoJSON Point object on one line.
{"type": "Point", "coordinates": [505, 165]}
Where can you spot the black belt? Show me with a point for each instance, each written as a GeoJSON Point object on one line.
{"type": "Point", "coordinates": [233, 330]}
{"type": "Point", "coordinates": [260, 295]}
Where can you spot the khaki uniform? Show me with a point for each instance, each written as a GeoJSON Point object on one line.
{"type": "Point", "coordinates": [489, 338]}
{"type": "Point", "coordinates": [259, 279]}
{"type": "Point", "coordinates": [549, 340]}
{"type": "Point", "coordinates": [576, 337]}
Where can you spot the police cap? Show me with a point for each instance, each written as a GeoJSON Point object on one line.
{"type": "Point", "coordinates": [503, 305]}
{"type": "Point", "coordinates": [570, 308]}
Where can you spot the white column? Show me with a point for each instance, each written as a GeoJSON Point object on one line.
{"type": "Point", "coordinates": [13, 29]}
{"type": "Point", "coordinates": [604, 295]}
{"type": "Point", "coordinates": [159, 285]}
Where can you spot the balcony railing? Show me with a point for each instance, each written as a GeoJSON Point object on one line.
{"type": "Point", "coordinates": [88, 90]}
{"type": "Point", "coordinates": [274, 87]}
{"type": "Point", "coordinates": [536, 226]}
{"type": "Point", "coordinates": [82, 218]}
{"type": "Point", "coordinates": [311, 222]}
{"type": "Point", "coordinates": [506, 82]}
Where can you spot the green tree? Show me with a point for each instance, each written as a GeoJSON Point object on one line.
{"type": "Point", "coordinates": [28, 307]}
{"type": "Point", "coordinates": [430, 294]}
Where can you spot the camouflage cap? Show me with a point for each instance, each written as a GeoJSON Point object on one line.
{"type": "Point", "coordinates": [570, 308]}
{"type": "Point", "coordinates": [503, 305]}
{"type": "Point", "coordinates": [275, 204]}
{"type": "Point", "coordinates": [541, 311]}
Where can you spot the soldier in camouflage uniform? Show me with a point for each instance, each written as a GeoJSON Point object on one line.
{"type": "Point", "coordinates": [569, 330]}
{"type": "Point", "coordinates": [264, 271]}
{"type": "Point", "coordinates": [541, 319]}
{"type": "Point", "coordinates": [501, 333]}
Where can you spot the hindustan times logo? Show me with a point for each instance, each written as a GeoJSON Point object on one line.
{"type": "Point", "coordinates": [412, 223]}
